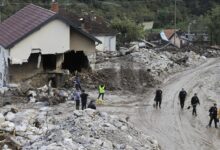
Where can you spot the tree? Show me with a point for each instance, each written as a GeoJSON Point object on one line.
{"type": "Point", "coordinates": [128, 30]}
{"type": "Point", "coordinates": [213, 23]}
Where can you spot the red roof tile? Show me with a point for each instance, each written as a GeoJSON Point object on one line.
{"type": "Point", "coordinates": [22, 23]}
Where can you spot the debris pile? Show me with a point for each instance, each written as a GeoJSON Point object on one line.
{"type": "Point", "coordinates": [46, 128]}
{"type": "Point", "coordinates": [144, 67]}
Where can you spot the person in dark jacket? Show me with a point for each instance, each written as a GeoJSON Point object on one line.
{"type": "Point", "coordinates": [182, 97]}
{"type": "Point", "coordinates": [158, 97]}
{"type": "Point", "coordinates": [77, 98]}
{"type": "Point", "coordinates": [213, 112]}
{"type": "Point", "coordinates": [84, 96]}
{"type": "Point", "coordinates": [92, 104]}
{"type": "Point", "coordinates": [194, 103]}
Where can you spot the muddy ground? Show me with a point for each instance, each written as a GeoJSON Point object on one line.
{"type": "Point", "coordinates": [175, 128]}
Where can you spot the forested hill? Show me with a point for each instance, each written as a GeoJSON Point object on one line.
{"type": "Point", "coordinates": [161, 11]}
{"type": "Point", "coordinates": [205, 12]}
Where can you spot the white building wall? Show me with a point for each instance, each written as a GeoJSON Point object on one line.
{"type": "Point", "coordinates": [52, 38]}
{"type": "Point", "coordinates": [108, 43]}
{"type": "Point", "coordinates": [3, 66]}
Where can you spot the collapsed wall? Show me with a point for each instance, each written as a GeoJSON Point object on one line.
{"type": "Point", "coordinates": [3, 66]}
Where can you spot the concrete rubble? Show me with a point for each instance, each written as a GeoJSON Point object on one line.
{"type": "Point", "coordinates": [62, 127]}
{"type": "Point", "coordinates": [142, 68]}
{"type": "Point", "coordinates": [46, 119]}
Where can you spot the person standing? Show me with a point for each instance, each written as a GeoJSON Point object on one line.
{"type": "Point", "coordinates": [158, 97]}
{"type": "Point", "coordinates": [77, 98]}
{"type": "Point", "coordinates": [182, 97]}
{"type": "Point", "coordinates": [83, 96]}
{"type": "Point", "coordinates": [101, 91]}
{"type": "Point", "coordinates": [77, 82]}
{"type": "Point", "coordinates": [213, 112]}
{"type": "Point", "coordinates": [194, 103]}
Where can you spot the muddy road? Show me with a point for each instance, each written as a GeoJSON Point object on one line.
{"type": "Point", "coordinates": [177, 129]}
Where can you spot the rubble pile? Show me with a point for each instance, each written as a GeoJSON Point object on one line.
{"type": "Point", "coordinates": [144, 67]}
{"type": "Point", "coordinates": [206, 51]}
{"type": "Point", "coordinates": [45, 128]}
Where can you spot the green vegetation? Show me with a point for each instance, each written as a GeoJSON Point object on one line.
{"type": "Point", "coordinates": [127, 15]}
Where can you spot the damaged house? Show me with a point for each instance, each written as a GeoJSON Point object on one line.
{"type": "Point", "coordinates": [96, 26]}
{"type": "Point", "coordinates": [40, 40]}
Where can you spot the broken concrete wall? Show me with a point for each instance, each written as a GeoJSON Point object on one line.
{"type": "Point", "coordinates": [3, 66]}
{"type": "Point", "coordinates": [81, 43]}
{"type": "Point", "coordinates": [19, 72]}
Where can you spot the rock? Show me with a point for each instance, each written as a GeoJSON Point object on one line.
{"type": "Point", "coordinates": [124, 128]}
{"type": "Point", "coordinates": [32, 100]}
{"type": "Point", "coordinates": [14, 110]}
{"type": "Point", "coordinates": [90, 112]}
{"type": "Point", "coordinates": [118, 124]}
{"type": "Point", "coordinates": [107, 145]}
{"type": "Point", "coordinates": [2, 118]}
{"type": "Point", "coordinates": [78, 113]}
{"type": "Point", "coordinates": [21, 127]}
{"type": "Point", "coordinates": [10, 116]}
{"type": "Point", "coordinates": [104, 115]}
{"type": "Point", "coordinates": [7, 126]}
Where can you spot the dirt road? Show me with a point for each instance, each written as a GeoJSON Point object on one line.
{"type": "Point", "coordinates": [177, 129]}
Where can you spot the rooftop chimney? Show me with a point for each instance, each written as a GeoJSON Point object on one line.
{"type": "Point", "coordinates": [55, 6]}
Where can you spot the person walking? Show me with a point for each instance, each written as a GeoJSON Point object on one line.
{"type": "Point", "coordinates": [83, 96]}
{"type": "Point", "coordinates": [101, 91]}
{"type": "Point", "coordinates": [213, 112]}
{"type": "Point", "coordinates": [158, 97]}
{"type": "Point", "coordinates": [182, 97]}
{"type": "Point", "coordinates": [77, 98]}
{"type": "Point", "coordinates": [77, 82]}
{"type": "Point", "coordinates": [194, 103]}
{"type": "Point", "coordinates": [92, 104]}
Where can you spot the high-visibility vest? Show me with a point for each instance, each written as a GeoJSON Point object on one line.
{"type": "Point", "coordinates": [101, 89]}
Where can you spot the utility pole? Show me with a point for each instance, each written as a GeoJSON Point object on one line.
{"type": "Point", "coordinates": [1, 6]}
{"type": "Point", "coordinates": [175, 24]}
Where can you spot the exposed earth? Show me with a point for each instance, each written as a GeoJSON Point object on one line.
{"type": "Point", "coordinates": [175, 128]}
{"type": "Point", "coordinates": [131, 81]}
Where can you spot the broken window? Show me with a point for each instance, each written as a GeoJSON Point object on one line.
{"type": "Point", "coordinates": [75, 61]}
{"type": "Point", "coordinates": [49, 62]}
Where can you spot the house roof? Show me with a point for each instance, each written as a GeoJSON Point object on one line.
{"type": "Point", "coordinates": [28, 20]}
{"type": "Point", "coordinates": [94, 25]}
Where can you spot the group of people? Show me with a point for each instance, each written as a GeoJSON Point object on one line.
{"type": "Point", "coordinates": [81, 96]}
{"type": "Point", "coordinates": [213, 111]}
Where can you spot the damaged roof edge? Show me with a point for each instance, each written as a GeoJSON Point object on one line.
{"type": "Point", "coordinates": [56, 16]}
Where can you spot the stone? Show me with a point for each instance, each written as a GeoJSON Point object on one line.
{"type": "Point", "coordinates": [107, 145]}
{"type": "Point", "coordinates": [14, 110]}
{"type": "Point", "coordinates": [78, 113]}
{"type": "Point", "coordinates": [90, 112]}
{"type": "Point", "coordinates": [21, 127]}
{"type": "Point", "coordinates": [118, 124]}
{"type": "Point", "coordinates": [2, 118]}
{"type": "Point", "coordinates": [7, 126]}
{"type": "Point", "coordinates": [124, 128]}
{"type": "Point", "coordinates": [104, 115]}
{"type": "Point", "coordinates": [10, 116]}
